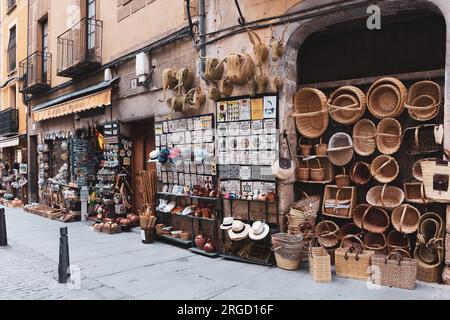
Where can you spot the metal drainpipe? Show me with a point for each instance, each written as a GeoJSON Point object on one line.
{"type": "Point", "coordinates": [202, 27]}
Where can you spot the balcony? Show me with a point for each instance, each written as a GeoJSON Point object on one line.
{"type": "Point", "coordinates": [35, 73]}
{"type": "Point", "coordinates": [9, 122]}
{"type": "Point", "coordinates": [80, 49]}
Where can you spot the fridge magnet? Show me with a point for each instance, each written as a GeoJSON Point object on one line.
{"type": "Point", "coordinates": [245, 110]}
{"type": "Point", "coordinates": [270, 107]}
{"type": "Point", "coordinates": [222, 109]}
{"type": "Point", "coordinates": [245, 128]}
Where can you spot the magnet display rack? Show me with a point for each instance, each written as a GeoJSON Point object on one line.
{"type": "Point", "coordinates": [265, 244]}
{"type": "Point", "coordinates": [198, 223]}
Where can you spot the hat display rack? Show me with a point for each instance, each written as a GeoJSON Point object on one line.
{"type": "Point", "coordinates": [392, 139]}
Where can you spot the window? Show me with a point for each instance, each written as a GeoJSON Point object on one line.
{"type": "Point", "coordinates": [11, 5]}
{"type": "Point", "coordinates": [12, 97]}
{"type": "Point", "coordinates": [44, 43]}
{"type": "Point", "coordinates": [12, 50]}
{"type": "Point", "coordinates": [91, 15]}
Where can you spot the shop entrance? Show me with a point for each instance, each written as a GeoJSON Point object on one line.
{"type": "Point", "coordinates": [142, 136]}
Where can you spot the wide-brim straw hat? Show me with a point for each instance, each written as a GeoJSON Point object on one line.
{"type": "Point", "coordinates": [387, 197]}
{"type": "Point", "coordinates": [347, 104]}
{"type": "Point", "coordinates": [405, 219]}
{"type": "Point", "coordinates": [340, 149]}
{"type": "Point", "coordinates": [389, 136]}
{"type": "Point", "coordinates": [311, 112]}
{"type": "Point", "coordinates": [364, 137]}
{"type": "Point", "coordinates": [227, 223]}
{"type": "Point", "coordinates": [259, 231]}
{"type": "Point", "coordinates": [386, 98]}
{"type": "Point", "coordinates": [424, 100]}
{"type": "Point", "coordinates": [239, 231]}
{"type": "Point", "coordinates": [384, 169]}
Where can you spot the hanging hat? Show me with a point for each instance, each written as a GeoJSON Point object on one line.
{"type": "Point", "coordinates": [164, 155]}
{"type": "Point", "coordinates": [239, 231]}
{"type": "Point", "coordinates": [154, 155]}
{"type": "Point", "coordinates": [259, 231]}
{"type": "Point", "coordinates": [227, 223]}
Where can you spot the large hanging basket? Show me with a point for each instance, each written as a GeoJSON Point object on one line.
{"type": "Point", "coordinates": [375, 242]}
{"type": "Point", "coordinates": [405, 219]}
{"type": "Point", "coordinates": [421, 140]}
{"type": "Point", "coordinates": [340, 149]}
{"type": "Point", "coordinates": [386, 98]}
{"type": "Point", "coordinates": [386, 197]}
{"type": "Point", "coordinates": [364, 137]}
{"type": "Point", "coordinates": [424, 100]}
{"type": "Point", "coordinates": [389, 136]}
{"type": "Point", "coordinates": [327, 233]}
{"type": "Point", "coordinates": [311, 113]}
{"type": "Point", "coordinates": [370, 218]}
{"type": "Point", "coordinates": [347, 105]}
{"type": "Point", "coordinates": [360, 173]}
{"type": "Point", "coordinates": [417, 168]}
{"type": "Point", "coordinates": [397, 240]}
{"type": "Point", "coordinates": [384, 169]}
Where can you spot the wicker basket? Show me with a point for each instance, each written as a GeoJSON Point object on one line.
{"type": "Point", "coordinates": [317, 171]}
{"type": "Point", "coordinates": [389, 136]}
{"type": "Point", "coordinates": [321, 149]}
{"type": "Point", "coordinates": [395, 271]}
{"type": "Point", "coordinates": [415, 193]}
{"type": "Point", "coordinates": [327, 233]}
{"type": "Point", "coordinates": [386, 98]}
{"type": "Point", "coordinates": [347, 105]}
{"type": "Point", "coordinates": [308, 204]}
{"type": "Point", "coordinates": [405, 219]}
{"type": "Point", "coordinates": [342, 180]}
{"type": "Point", "coordinates": [364, 137]}
{"type": "Point", "coordinates": [421, 140]}
{"type": "Point", "coordinates": [287, 250]}
{"type": "Point", "coordinates": [370, 218]}
{"type": "Point", "coordinates": [429, 274]}
{"type": "Point", "coordinates": [304, 149]}
{"type": "Point", "coordinates": [303, 171]}
{"type": "Point", "coordinates": [360, 173]}
{"type": "Point", "coordinates": [349, 240]}
{"type": "Point", "coordinates": [353, 262]}
{"type": "Point", "coordinates": [417, 168]}
{"type": "Point", "coordinates": [351, 229]}
{"type": "Point", "coordinates": [386, 197]}
{"type": "Point", "coordinates": [186, 235]}
{"type": "Point", "coordinates": [436, 180]}
{"type": "Point", "coordinates": [311, 114]}
{"type": "Point", "coordinates": [339, 202]}
{"type": "Point", "coordinates": [424, 100]}
{"type": "Point", "coordinates": [319, 264]}
{"type": "Point", "coordinates": [375, 242]}
{"type": "Point", "coordinates": [384, 169]}
{"type": "Point", "coordinates": [397, 240]}
{"type": "Point", "coordinates": [340, 149]}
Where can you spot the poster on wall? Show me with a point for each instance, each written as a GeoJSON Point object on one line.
{"type": "Point", "coordinates": [257, 109]}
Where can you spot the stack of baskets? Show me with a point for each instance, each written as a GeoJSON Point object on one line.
{"type": "Point", "coordinates": [424, 100]}
{"type": "Point", "coordinates": [347, 105]}
{"type": "Point", "coordinates": [288, 249]}
{"type": "Point", "coordinates": [386, 98]}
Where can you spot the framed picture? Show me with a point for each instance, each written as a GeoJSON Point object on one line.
{"type": "Point", "coordinates": [245, 109]}
{"type": "Point", "coordinates": [270, 107]}
{"type": "Point", "coordinates": [257, 109]}
{"type": "Point", "coordinates": [245, 128]}
{"type": "Point", "coordinates": [222, 111]}
{"type": "Point", "coordinates": [245, 172]}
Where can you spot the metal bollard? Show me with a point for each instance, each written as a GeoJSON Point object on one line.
{"type": "Point", "coordinates": [64, 262]}
{"type": "Point", "coordinates": [3, 237]}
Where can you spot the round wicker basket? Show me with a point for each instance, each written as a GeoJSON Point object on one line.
{"type": "Point", "coordinates": [360, 173]}
{"type": "Point", "coordinates": [347, 105]}
{"type": "Point", "coordinates": [424, 100]}
{"type": "Point", "coordinates": [405, 219]}
{"type": "Point", "coordinates": [389, 136]}
{"type": "Point", "coordinates": [311, 114]}
{"type": "Point", "coordinates": [384, 169]}
{"type": "Point", "coordinates": [376, 242]}
{"type": "Point", "coordinates": [386, 98]}
{"type": "Point", "coordinates": [364, 136]}
{"type": "Point", "coordinates": [340, 149]}
{"type": "Point", "coordinates": [386, 197]}
{"type": "Point", "coordinates": [370, 218]}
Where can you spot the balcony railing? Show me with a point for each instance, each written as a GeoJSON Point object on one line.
{"type": "Point", "coordinates": [9, 122]}
{"type": "Point", "coordinates": [35, 72]}
{"type": "Point", "coordinates": [80, 48]}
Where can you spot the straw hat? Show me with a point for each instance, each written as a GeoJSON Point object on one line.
{"type": "Point", "coordinates": [239, 231]}
{"type": "Point", "coordinates": [154, 155]}
{"type": "Point", "coordinates": [227, 223]}
{"type": "Point", "coordinates": [259, 231]}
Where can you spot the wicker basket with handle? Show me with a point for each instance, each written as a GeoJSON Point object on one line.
{"type": "Point", "coordinates": [311, 112]}
{"type": "Point", "coordinates": [339, 202]}
{"type": "Point", "coordinates": [360, 173]}
{"type": "Point", "coordinates": [384, 169]}
{"type": "Point", "coordinates": [303, 171]}
{"type": "Point", "coordinates": [386, 197]}
{"type": "Point", "coordinates": [364, 137]}
{"type": "Point", "coordinates": [370, 218]}
{"type": "Point", "coordinates": [395, 271]}
{"type": "Point", "coordinates": [317, 172]}
{"type": "Point", "coordinates": [375, 242]}
{"type": "Point", "coordinates": [397, 240]}
{"type": "Point", "coordinates": [415, 193]}
{"type": "Point", "coordinates": [424, 100]}
{"type": "Point", "coordinates": [347, 105]}
{"type": "Point", "coordinates": [319, 264]}
{"type": "Point", "coordinates": [304, 148]}
{"type": "Point", "coordinates": [343, 180]}
{"type": "Point", "coordinates": [389, 136]}
{"type": "Point", "coordinates": [321, 149]}
{"type": "Point", "coordinates": [405, 219]}
{"type": "Point", "coordinates": [421, 140]}
{"type": "Point", "coordinates": [353, 262]}
{"type": "Point", "coordinates": [386, 98]}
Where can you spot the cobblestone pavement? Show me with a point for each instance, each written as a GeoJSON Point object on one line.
{"type": "Point", "coordinates": [121, 267]}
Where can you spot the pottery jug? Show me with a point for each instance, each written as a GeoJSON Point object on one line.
{"type": "Point", "coordinates": [200, 241]}
{"type": "Point", "coordinates": [209, 247]}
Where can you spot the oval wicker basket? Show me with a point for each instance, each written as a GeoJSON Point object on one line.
{"type": "Point", "coordinates": [405, 219]}
{"type": "Point", "coordinates": [384, 169]}
{"type": "Point", "coordinates": [340, 149]}
{"type": "Point", "coordinates": [389, 136]}
{"type": "Point", "coordinates": [386, 98]}
{"type": "Point", "coordinates": [370, 218]}
{"type": "Point", "coordinates": [376, 242]}
{"type": "Point", "coordinates": [347, 105]}
{"type": "Point", "coordinates": [397, 240]}
{"type": "Point", "coordinates": [424, 100]}
{"type": "Point", "coordinates": [311, 113]}
{"type": "Point", "coordinates": [386, 197]}
{"type": "Point", "coordinates": [360, 173]}
{"type": "Point", "coordinates": [327, 233]}
{"type": "Point", "coordinates": [417, 168]}
{"type": "Point", "coordinates": [364, 136]}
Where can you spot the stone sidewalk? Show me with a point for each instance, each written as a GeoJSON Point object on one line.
{"type": "Point", "coordinates": [121, 267]}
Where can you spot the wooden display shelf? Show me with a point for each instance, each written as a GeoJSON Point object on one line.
{"type": "Point", "coordinates": [185, 216]}
{"type": "Point", "coordinates": [204, 253]}
{"type": "Point", "coordinates": [174, 240]}
{"type": "Point", "coordinates": [187, 196]}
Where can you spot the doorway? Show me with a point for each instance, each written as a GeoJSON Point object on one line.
{"type": "Point", "coordinates": [142, 136]}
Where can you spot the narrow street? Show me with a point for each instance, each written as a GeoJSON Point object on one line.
{"type": "Point", "coordinates": [120, 267]}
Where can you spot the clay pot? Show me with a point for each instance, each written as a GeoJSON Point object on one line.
{"type": "Point", "coordinates": [209, 247]}
{"type": "Point", "coordinates": [200, 241]}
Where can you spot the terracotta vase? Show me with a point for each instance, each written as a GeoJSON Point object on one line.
{"type": "Point", "coordinates": [209, 247]}
{"type": "Point", "coordinates": [200, 241]}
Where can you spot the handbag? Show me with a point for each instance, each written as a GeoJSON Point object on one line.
{"type": "Point", "coordinates": [284, 168]}
{"type": "Point", "coordinates": [436, 179]}
{"type": "Point", "coordinates": [353, 262]}
{"type": "Point", "coordinates": [395, 271]}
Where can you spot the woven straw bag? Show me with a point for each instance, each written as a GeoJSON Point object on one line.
{"type": "Point", "coordinates": [384, 169]}
{"type": "Point", "coordinates": [360, 173]}
{"type": "Point", "coordinates": [364, 137]}
{"type": "Point", "coordinates": [319, 264]}
{"type": "Point", "coordinates": [386, 98]}
{"type": "Point", "coordinates": [347, 105]}
{"type": "Point", "coordinates": [370, 218]}
{"type": "Point", "coordinates": [311, 114]}
{"type": "Point", "coordinates": [395, 271]}
{"type": "Point", "coordinates": [424, 100]}
{"type": "Point", "coordinates": [405, 219]}
{"type": "Point", "coordinates": [340, 149]}
{"type": "Point", "coordinates": [353, 262]}
{"type": "Point", "coordinates": [397, 240]}
{"type": "Point", "coordinates": [375, 242]}
{"type": "Point", "coordinates": [417, 168]}
{"type": "Point", "coordinates": [436, 177]}
{"type": "Point", "coordinates": [389, 136]}
{"type": "Point", "coordinates": [386, 197]}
